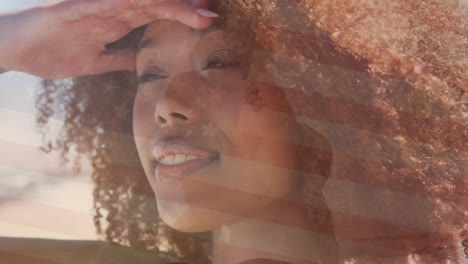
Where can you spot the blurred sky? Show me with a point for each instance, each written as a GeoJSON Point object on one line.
{"type": "Point", "coordinates": [15, 5]}
{"type": "Point", "coordinates": [38, 198]}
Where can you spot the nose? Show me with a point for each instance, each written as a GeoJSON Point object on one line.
{"type": "Point", "coordinates": [175, 106]}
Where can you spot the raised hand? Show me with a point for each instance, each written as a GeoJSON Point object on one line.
{"type": "Point", "coordinates": [68, 39]}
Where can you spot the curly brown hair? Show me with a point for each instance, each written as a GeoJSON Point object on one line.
{"type": "Point", "coordinates": [379, 81]}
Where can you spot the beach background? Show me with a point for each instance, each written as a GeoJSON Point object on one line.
{"type": "Point", "coordinates": [38, 197]}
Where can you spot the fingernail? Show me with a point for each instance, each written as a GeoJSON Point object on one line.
{"type": "Point", "coordinates": [206, 13]}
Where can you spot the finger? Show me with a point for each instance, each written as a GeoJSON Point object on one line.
{"type": "Point", "coordinates": [116, 61]}
{"type": "Point", "coordinates": [75, 9]}
{"type": "Point", "coordinates": [203, 4]}
{"type": "Point", "coordinates": [169, 10]}
{"type": "Point", "coordinates": [195, 18]}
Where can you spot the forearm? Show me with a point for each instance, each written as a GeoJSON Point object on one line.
{"type": "Point", "coordinates": [4, 51]}
{"type": "Point", "coordinates": [10, 28]}
{"type": "Point", "coordinates": [5, 46]}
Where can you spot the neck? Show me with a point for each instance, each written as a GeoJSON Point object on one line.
{"type": "Point", "coordinates": [282, 234]}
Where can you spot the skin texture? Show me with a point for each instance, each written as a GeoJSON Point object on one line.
{"type": "Point", "coordinates": [257, 176]}
{"type": "Point", "coordinates": [397, 188]}
{"type": "Point", "coordinates": [202, 74]}
{"type": "Point", "coordinates": [47, 39]}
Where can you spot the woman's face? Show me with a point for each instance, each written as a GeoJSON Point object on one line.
{"type": "Point", "coordinates": [209, 155]}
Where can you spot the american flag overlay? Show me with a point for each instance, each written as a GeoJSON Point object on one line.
{"type": "Point", "coordinates": [360, 136]}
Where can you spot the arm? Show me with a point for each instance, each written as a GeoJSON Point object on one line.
{"type": "Point", "coordinates": [7, 26]}
{"type": "Point", "coordinates": [68, 39]}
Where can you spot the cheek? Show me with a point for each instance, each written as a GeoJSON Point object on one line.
{"type": "Point", "coordinates": [260, 181]}
{"type": "Point", "coordinates": [143, 112]}
{"type": "Point", "coordinates": [224, 108]}
{"type": "Point", "coordinates": [143, 130]}
{"type": "Point", "coordinates": [266, 141]}
{"type": "Point", "coordinates": [262, 165]}
{"type": "Point", "coordinates": [226, 88]}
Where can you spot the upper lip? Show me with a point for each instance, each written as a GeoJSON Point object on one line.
{"type": "Point", "coordinates": [181, 147]}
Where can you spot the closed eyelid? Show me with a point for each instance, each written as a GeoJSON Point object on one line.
{"type": "Point", "coordinates": [152, 73]}
{"type": "Point", "coordinates": [154, 69]}
{"type": "Point", "coordinates": [224, 54]}
{"type": "Point", "coordinates": [228, 50]}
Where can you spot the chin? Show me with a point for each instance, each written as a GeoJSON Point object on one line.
{"type": "Point", "coordinates": [186, 218]}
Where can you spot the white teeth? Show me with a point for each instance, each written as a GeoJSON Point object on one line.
{"type": "Point", "coordinates": [177, 159]}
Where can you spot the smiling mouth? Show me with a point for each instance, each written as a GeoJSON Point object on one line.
{"type": "Point", "coordinates": [176, 159]}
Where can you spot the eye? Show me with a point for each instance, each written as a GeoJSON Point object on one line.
{"type": "Point", "coordinates": [221, 59]}
{"type": "Point", "coordinates": [148, 77]}
{"type": "Point", "coordinates": [219, 64]}
{"type": "Point", "coordinates": [153, 73]}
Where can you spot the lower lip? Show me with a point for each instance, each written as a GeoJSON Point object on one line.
{"type": "Point", "coordinates": [167, 172]}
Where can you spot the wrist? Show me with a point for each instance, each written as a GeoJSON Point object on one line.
{"type": "Point", "coordinates": [6, 47]}
{"type": "Point", "coordinates": [11, 27]}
